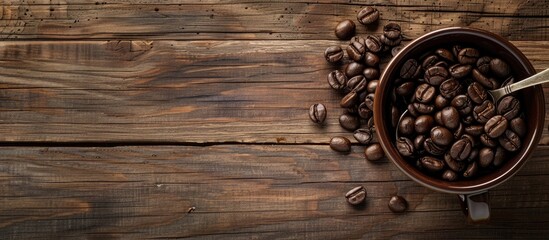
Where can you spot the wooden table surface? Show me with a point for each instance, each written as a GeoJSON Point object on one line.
{"type": "Point", "coordinates": [175, 119]}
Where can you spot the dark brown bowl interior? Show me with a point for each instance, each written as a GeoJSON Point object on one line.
{"type": "Point", "coordinates": [531, 98]}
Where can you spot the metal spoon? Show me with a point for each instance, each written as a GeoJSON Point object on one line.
{"type": "Point", "coordinates": [497, 94]}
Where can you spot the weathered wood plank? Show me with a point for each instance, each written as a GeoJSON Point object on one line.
{"type": "Point", "coordinates": [172, 91]}
{"type": "Point", "coordinates": [242, 192]}
{"type": "Point", "coordinates": [46, 19]}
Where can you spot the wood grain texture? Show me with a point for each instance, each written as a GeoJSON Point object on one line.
{"type": "Point", "coordinates": [173, 91]}
{"type": "Point", "coordinates": [243, 192]}
{"type": "Point", "coordinates": [214, 20]}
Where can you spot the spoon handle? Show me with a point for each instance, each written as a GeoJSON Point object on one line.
{"type": "Point", "coordinates": [539, 78]}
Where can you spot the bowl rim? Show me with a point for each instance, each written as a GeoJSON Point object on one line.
{"type": "Point", "coordinates": [417, 176]}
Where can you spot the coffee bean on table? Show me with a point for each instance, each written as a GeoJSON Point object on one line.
{"type": "Point", "coordinates": [423, 124]}
{"type": "Point", "coordinates": [372, 86]}
{"type": "Point", "coordinates": [340, 144]}
{"type": "Point", "coordinates": [364, 135]}
{"type": "Point", "coordinates": [499, 68]}
{"type": "Point", "coordinates": [405, 146]}
{"type": "Point", "coordinates": [353, 69]}
{"type": "Point", "coordinates": [477, 93]}
{"type": "Point", "coordinates": [349, 100]}
{"type": "Point", "coordinates": [397, 204]}
{"type": "Point", "coordinates": [364, 112]}
{"type": "Point", "coordinates": [374, 152]}
{"type": "Point", "coordinates": [371, 59]}
{"type": "Point", "coordinates": [495, 126]}
{"type": "Point", "coordinates": [357, 84]}
{"type": "Point", "coordinates": [369, 101]}
{"type": "Point", "coordinates": [356, 196]}
{"type": "Point", "coordinates": [345, 29]}
{"type": "Point", "coordinates": [388, 42]}
{"type": "Point", "coordinates": [395, 50]}
{"type": "Point", "coordinates": [518, 125]}
{"type": "Point", "coordinates": [392, 30]}
{"type": "Point", "coordinates": [337, 80]}
{"type": "Point", "coordinates": [510, 141]}
{"type": "Point", "coordinates": [441, 136]}
{"type": "Point", "coordinates": [368, 15]}
{"type": "Point", "coordinates": [333, 54]}
{"type": "Point", "coordinates": [349, 122]}
{"type": "Point", "coordinates": [509, 107]}
{"type": "Point", "coordinates": [371, 73]}
{"type": "Point", "coordinates": [486, 157]}
{"type": "Point", "coordinates": [468, 56]}
{"type": "Point", "coordinates": [373, 43]}
{"type": "Point", "coordinates": [432, 164]}
{"type": "Point", "coordinates": [317, 113]}
{"type": "Point", "coordinates": [356, 50]}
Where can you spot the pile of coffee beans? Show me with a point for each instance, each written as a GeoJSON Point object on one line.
{"type": "Point", "coordinates": [356, 81]}
{"type": "Point", "coordinates": [453, 130]}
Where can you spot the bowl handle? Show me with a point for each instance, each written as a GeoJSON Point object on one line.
{"type": "Point", "coordinates": [475, 206]}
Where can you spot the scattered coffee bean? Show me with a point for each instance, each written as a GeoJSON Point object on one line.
{"type": "Point", "coordinates": [364, 135]}
{"type": "Point", "coordinates": [374, 152]}
{"type": "Point", "coordinates": [353, 69]}
{"type": "Point", "coordinates": [397, 204]}
{"type": "Point", "coordinates": [340, 144]}
{"type": "Point", "coordinates": [356, 196]}
{"type": "Point", "coordinates": [317, 113]}
{"type": "Point", "coordinates": [367, 15]}
{"type": "Point", "coordinates": [371, 59]}
{"type": "Point", "coordinates": [356, 50]}
{"type": "Point", "coordinates": [345, 29]}
{"type": "Point", "coordinates": [373, 43]}
{"type": "Point", "coordinates": [349, 122]}
{"type": "Point", "coordinates": [371, 73]}
{"type": "Point", "coordinates": [333, 54]}
{"type": "Point", "coordinates": [337, 80]}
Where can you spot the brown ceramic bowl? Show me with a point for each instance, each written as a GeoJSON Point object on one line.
{"type": "Point", "coordinates": [531, 98]}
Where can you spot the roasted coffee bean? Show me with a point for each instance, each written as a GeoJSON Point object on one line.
{"type": "Point", "coordinates": [477, 93]}
{"type": "Point", "coordinates": [364, 112]}
{"type": "Point", "coordinates": [495, 126]}
{"type": "Point", "coordinates": [471, 170]}
{"type": "Point", "coordinates": [356, 50]}
{"type": "Point", "coordinates": [418, 142]}
{"type": "Point", "coordinates": [463, 104]}
{"type": "Point", "coordinates": [436, 75]}
{"type": "Point", "coordinates": [441, 136]}
{"type": "Point", "coordinates": [450, 117]}
{"type": "Point", "coordinates": [423, 108]}
{"type": "Point", "coordinates": [483, 65]}
{"type": "Point", "coordinates": [373, 43]}
{"type": "Point", "coordinates": [499, 156]}
{"type": "Point", "coordinates": [367, 15]}
{"type": "Point", "coordinates": [405, 146]}
{"type": "Point", "coordinates": [333, 54]}
{"type": "Point", "coordinates": [456, 166]}
{"type": "Point", "coordinates": [349, 100]}
{"type": "Point", "coordinates": [445, 54]}
{"type": "Point", "coordinates": [499, 68]}
{"type": "Point", "coordinates": [412, 110]}
{"type": "Point", "coordinates": [369, 101]}
{"type": "Point", "coordinates": [356, 196]}
{"type": "Point", "coordinates": [423, 124]}
{"type": "Point", "coordinates": [395, 115]}
{"type": "Point", "coordinates": [349, 122]}
{"type": "Point", "coordinates": [425, 93]}
{"type": "Point", "coordinates": [438, 118]}
{"type": "Point", "coordinates": [371, 73]}
{"type": "Point", "coordinates": [353, 69]}
{"type": "Point", "coordinates": [397, 204]}
{"type": "Point", "coordinates": [468, 56]}
{"type": "Point", "coordinates": [345, 29]}
{"type": "Point", "coordinates": [372, 86]}
{"type": "Point", "coordinates": [433, 148]}
{"type": "Point", "coordinates": [370, 125]}
{"type": "Point", "coordinates": [473, 155]}
{"type": "Point", "coordinates": [317, 113]}
{"type": "Point", "coordinates": [510, 141]}
{"type": "Point", "coordinates": [357, 39]}
{"type": "Point", "coordinates": [374, 152]}
{"type": "Point", "coordinates": [429, 61]}
{"type": "Point", "coordinates": [395, 50]}
{"type": "Point", "coordinates": [340, 144]}
{"type": "Point", "coordinates": [357, 84]}
{"type": "Point", "coordinates": [443, 64]}
{"type": "Point", "coordinates": [410, 69]}
{"type": "Point", "coordinates": [487, 141]}
{"type": "Point", "coordinates": [459, 71]}
{"type": "Point", "coordinates": [489, 83]}
{"type": "Point", "coordinates": [406, 125]}
{"type": "Point", "coordinates": [392, 30]}
{"type": "Point", "coordinates": [458, 132]}
{"type": "Point", "coordinates": [485, 111]}
{"type": "Point", "coordinates": [441, 102]}
{"type": "Point", "coordinates": [461, 149]}
{"type": "Point", "coordinates": [406, 89]}
{"type": "Point", "coordinates": [371, 59]}
{"type": "Point", "coordinates": [450, 88]}
{"type": "Point", "coordinates": [486, 157]}
{"type": "Point", "coordinates": [390, 42]}
{"type": "Point", "coordinates": [509, 107]}
{"type": "Point", "coordinates": [432, 164]}
{"type": "Point", "coordinates": [456, 49]}
{"type": "Point", "coordinates": [518, 125]}
{"type": "Point", "coordinates": [337, 80]}
{"type": "Point", "coordinates": [364, 135]}
{"type": "Point", "coordinates": [471, 139]}
{"type": "Point", "coordinates": [468, 120]}
{"type": "Point", "coordinates": [474, 130]}
{"type": "Point", "coordinates": [449, 175]}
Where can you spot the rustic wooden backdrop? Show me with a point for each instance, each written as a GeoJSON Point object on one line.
{"type": "Point", "coordinates": [175, 119]}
